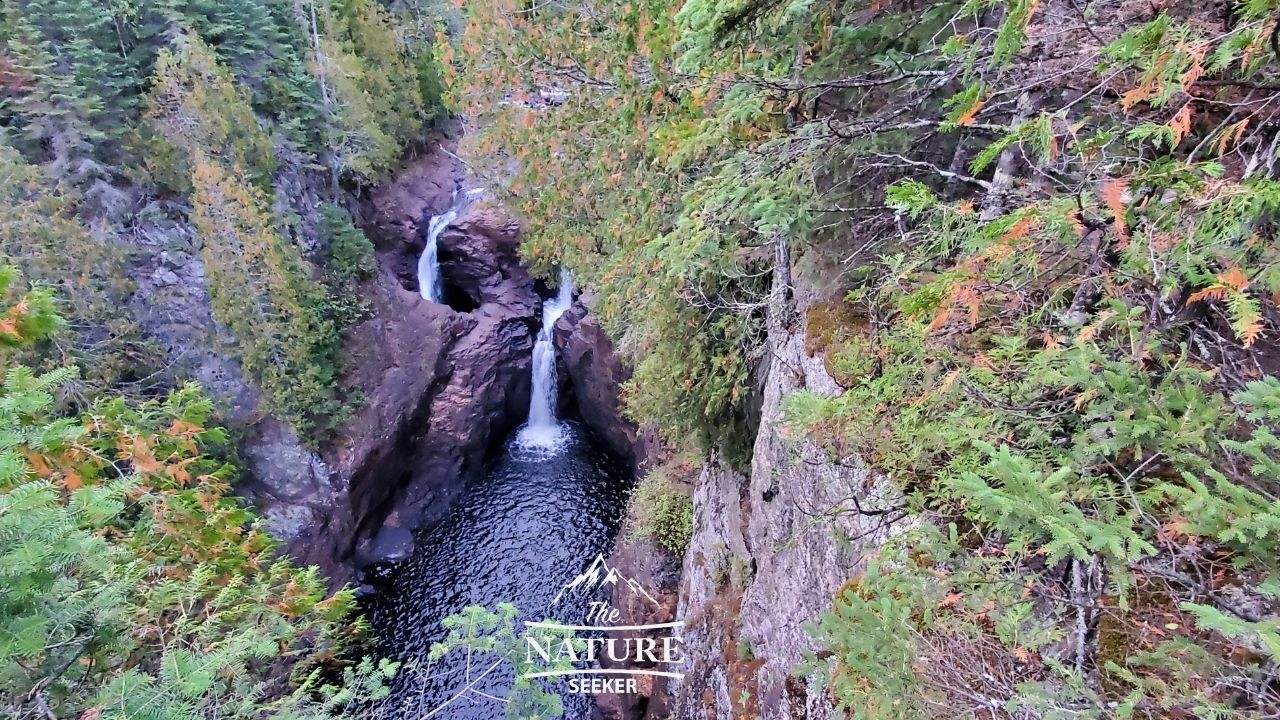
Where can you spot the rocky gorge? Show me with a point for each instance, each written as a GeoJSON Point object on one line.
{"type": "Point", "coordinates": [440, 384]}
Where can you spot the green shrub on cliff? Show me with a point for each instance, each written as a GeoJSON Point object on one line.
{"type": "Point", "coordinates": [661, 508]}
{"type": "Point", "coordinates": [262, 289]}
{"type": "Point", "coordinates": [134, 587]}
{"type": "Point", "coordinates": [1071, 392]}
{"type": "Point", "coordinates": [41, 236]}
{"type": "Point", "coordinates": [348, 260]}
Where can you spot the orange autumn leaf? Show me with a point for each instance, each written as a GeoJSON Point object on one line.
{"type": "Point", "coordinates": [1088, 332]}
{"type": "Point", "coordinates": [1234, 278]}
{"type": "Point", "coordinates": [142, 458]}
{"type": "Point", "coordinates": [966, 118]}
{"type": "Point", "coordinates": [1250, 333]}
{"type": "Point", "coordinates": [1180, 125]}
{"type": "Point", "coordinates": [949, 380]}
{"type": "Point", "coordinates": [1213, 292]}
{"type": "Point", "coordinates": [1231, 136]}
{"type": "Point", "coordinates": [1150, 85]}
{"type": "Point", "coordinates": [183, 428]}
{"type": "Point", "coordinates": [1113, 197]}
{"type": "Point", "coordinates": [36, 460]}
{"type": "Point", "coordinates": [944, 314]}
{"type": "Point", "coordinates": [1019, 229]}
{"type": "Point", "coordinates": [1196, 67]}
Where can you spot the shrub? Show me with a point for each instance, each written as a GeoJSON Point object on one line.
{"type": "Point", "coordinates": [348, 260]}
{"type": "Point", "coordinates": [134, 586]}
{"type": "Point", "coordinates": [662, 511]}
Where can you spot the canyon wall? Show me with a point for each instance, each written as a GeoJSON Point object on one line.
{"type": "Point", "coordinates": [770, 548]}
{"type": "Point", "coordinates": [771, 545]}
{"type": "Point", "coordinates": [430, 386]}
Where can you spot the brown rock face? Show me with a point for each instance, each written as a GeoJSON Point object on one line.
{"type": "Point", "coordinates": [595, 372]}
{"type": "Point", "coordinates": [438, 384]}
{"type": "Point", "coordinates": [659, 573]}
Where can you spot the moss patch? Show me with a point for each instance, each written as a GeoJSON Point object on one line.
{"type": "Point", "coordinates": [838, 331]}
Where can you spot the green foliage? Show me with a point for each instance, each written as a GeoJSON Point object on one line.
{"type": "Point", "coordinates": [371, 86]}
{"type": "Point", "coordinates": [1062, 438]}
{"type": "Point", "coordinates": [348, 261]}
{"type": "Point", "coordinates": [262, 289]}
{"type": "Point", "coordinates": [498, 654]}
{"type": "Point", "coordinates": [78, 95]}
{"type": "Point", "coordinates": [662, 510]}
{"type": "Point", "coordinates": [40, 236]}
{"type": "Point", "coordinates": [197, 107]}
{"type": "Point", "coordinates": [133, 587]}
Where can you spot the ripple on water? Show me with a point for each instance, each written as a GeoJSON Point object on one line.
{"type": "Point", "coordinates": [536, 518]}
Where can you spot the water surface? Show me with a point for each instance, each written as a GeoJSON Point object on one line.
{"type": "Point", "coordinates": [531, 523]}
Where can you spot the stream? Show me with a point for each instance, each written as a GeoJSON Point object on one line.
{"type": "Point", "coordinates": [547, 504]}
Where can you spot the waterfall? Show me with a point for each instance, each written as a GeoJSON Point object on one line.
{"type": "Point", "coordinates": [543, 430]}
{"type": "Point", "coordinates": [429, 261]}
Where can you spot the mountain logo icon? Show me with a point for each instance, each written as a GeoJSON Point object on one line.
{"type": "Point", "coordinates": [601, 575]}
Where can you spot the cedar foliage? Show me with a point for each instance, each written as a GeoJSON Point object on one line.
{"type": "Point", "coordinates": [133, 586]}
{"type": "Point", "coordinates": [1056, 223]}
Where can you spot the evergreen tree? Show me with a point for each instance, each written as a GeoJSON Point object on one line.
{"type": "Point", "coordinates": [196, 107]}
{"type": "Point", "coordinates": [132, 586]}
{"type": "Point", "coordinates": [262, 289]}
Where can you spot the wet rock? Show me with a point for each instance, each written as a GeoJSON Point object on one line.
{"type": "Point", "coordinates": [423, 185]}
{"type": "Point", "coordinates": [295, 474]}
{"type": "Point", "coordinates": [595, 372]}
{"type": "Point", "coordinates": [441, 386]}
{"type": "Point", "coordinates": [479, 258]}
{"type": "Point", "coordinates": [391, 544]}
{"type": "Point", "coordinates": [434, 387]}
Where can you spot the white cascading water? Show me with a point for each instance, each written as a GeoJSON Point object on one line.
{"type": "Point", "coordinates": [544, 431]}
{"type": "Point", "coordinates": [429, 261]}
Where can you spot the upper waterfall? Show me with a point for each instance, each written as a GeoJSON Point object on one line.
{"type": "Point", "coordinates": [429, 262]}
{"type": "Point", "coordinates": [543, 431]}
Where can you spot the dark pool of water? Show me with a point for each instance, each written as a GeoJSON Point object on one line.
{"type": "Point", "coordinates": [518, 533]}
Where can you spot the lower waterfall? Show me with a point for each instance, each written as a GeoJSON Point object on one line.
{"type": "Point", "coordinates": [543, 431]}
